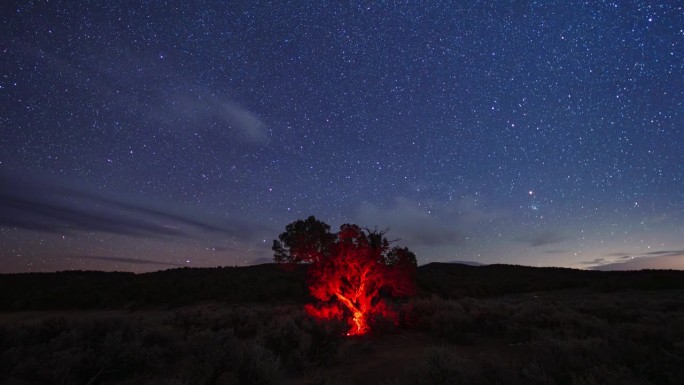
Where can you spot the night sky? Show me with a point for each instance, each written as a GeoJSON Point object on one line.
{"type": "Point", "coordinates": [141, 137]}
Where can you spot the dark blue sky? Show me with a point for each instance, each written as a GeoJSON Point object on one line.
{"type": "Point", "coordinates": [144, 136]}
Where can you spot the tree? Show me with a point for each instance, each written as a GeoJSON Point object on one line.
{"type": "Point", "coordinates": [303, 241]}
{"type": "Point", "coordinates": [350, 272]}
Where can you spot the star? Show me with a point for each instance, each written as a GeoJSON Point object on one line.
{"type": "Point", "coordinates": [146, 139]}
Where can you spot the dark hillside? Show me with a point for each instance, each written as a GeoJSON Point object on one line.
{"type": "Point", "coordinates": [452, 280]}
{"type": "Point", "coordinates": [175, 287]}
{"type": "Point", "coordinates": [270, 283]}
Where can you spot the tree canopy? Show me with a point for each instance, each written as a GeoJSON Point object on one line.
{"type": "Point", "coordinates": [350, 270]}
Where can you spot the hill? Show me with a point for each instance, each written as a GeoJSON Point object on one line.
{"type": "Point", "coordinates": [269, 283]}
{"type": "Point", "coordinates": [246, 325]}
{"type": "Point", "coordinates": [174, 287]}
{"type": "Point", "coordinates": [453, 280]}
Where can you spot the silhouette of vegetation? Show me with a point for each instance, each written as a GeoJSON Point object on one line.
{"type": "Point", "coordinates": [553, 337]}
{"type": "Point", "coordinates": [270, 284]}
{"type": "Point", "coordinates": [171, 288]}
{"type": "Point", "coordinates": [199, 345]}
{"type": "Point", "coordinates": [453, 280]}
{"type": "Point", "coordinates": [246, 325]}
{"type": "Point", "coordinates": [349, 271]}
{"type": "Point", "coordinates": [560, 337]}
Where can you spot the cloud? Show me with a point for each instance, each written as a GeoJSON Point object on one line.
{"type": "Point", "coordinates": [413, 224]}
{"type": "Point", "coordinates": [35, 214]}
{"type": "Point", "coordinates": [55, 206]}
{"type": "Point", "coordinates": [245, 121]}
{"type": "Point", "coordinates": [124, 260]}
{"type": "Point", "coordinates": [542, 239]}
{"type": "Point", "coordinates": [203, 109]}
{"type": "Point", "coordinates": [469, 263]}
{"type": "Point", "coordinates": [468, 210]}
{"type": "Point", "coordinates": [595, 261]}
{"type": "Point", "coordinates": [210, 114]}
{"type": "Point", "coordinates": [667, 253]}
{"type": "Point", "coordinates": [663, 259]}
{"type": "Point", "coordinates": [146, 209]}
{"type": "Point", "coordinates": [617, 254]}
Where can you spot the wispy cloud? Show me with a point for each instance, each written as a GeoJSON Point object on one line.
{"type": "Point", "coordinates": [124, 260]}
{"type": "Point", "coordinates": [194, 109]}
{"type": "Point", "coordinates": [55, 206]}
{"type": "Point", "coordinates": [468, 211]}
{"type": "Point", "coordinates": [210, 114]}
{"type": "Point", "coordinates": [662, 259]}
{"type": "Point", "coordinates": [556, 251]}
{"type": "Point", "coordinates": [594, 262]}
{"type": "Point", "coordinates": [667, 253]}
{"type": "Point", "coordinates": [413, 224]}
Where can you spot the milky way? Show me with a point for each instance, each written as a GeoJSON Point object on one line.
{"type": "Point", "coordinates": [145, 137]}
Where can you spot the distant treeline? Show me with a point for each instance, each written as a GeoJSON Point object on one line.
{"type": "Point", "coordinates": [174, 287]}
{"type": "Point", "coordinates": [452, 280]}
{"type": "Point", "coordinates": [270, 283]}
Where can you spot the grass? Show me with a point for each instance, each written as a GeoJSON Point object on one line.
{"type": "Point", "coordinates": [559, 337]}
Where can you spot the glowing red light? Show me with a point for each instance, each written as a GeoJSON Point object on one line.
{"type": "Point", "coordinates": [349, 283]}
{"type": "Point", "coordinates": [350, 273]}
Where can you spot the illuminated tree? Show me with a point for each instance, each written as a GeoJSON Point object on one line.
{"type": "Point", "coordinates": [350, 272]}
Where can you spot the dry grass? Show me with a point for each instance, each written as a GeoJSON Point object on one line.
{"type": "Point", "coordinates": [563, 337]}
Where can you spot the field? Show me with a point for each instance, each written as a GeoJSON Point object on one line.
{"type": "Point", "coordinates": [468, 325]}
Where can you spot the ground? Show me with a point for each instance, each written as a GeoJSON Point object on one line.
{"type": "Point", "coordinates": [554, 337]}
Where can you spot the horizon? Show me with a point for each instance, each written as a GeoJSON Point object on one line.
{"type": "Point", "coordinates": [142, 137]}
{"type": "Point", "coordinates": [616, 267]}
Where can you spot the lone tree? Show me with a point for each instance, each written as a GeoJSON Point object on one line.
{"type": "Point", "coordinates": [350, 271]}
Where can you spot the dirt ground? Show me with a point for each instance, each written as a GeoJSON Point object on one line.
{"type": "Point", "coordinates": [379, 359]}
{"type": "Point", "coordinates": [388, 358]}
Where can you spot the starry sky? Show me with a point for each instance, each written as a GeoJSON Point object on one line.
{"type": "Point", "coordinates": [140, 136]}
